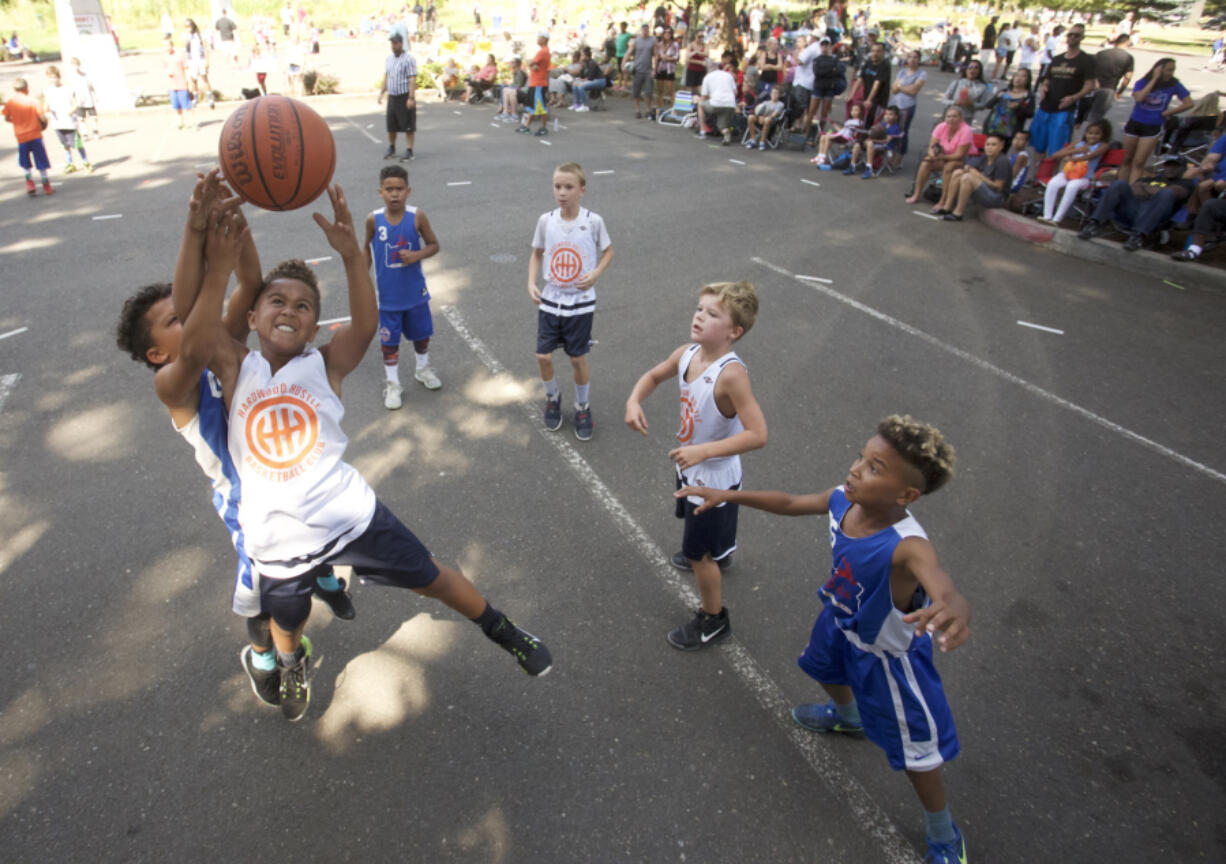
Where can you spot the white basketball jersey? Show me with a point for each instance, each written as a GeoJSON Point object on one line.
{"type": "Point", "coordinates": [301, 502]}
{"type": "Point", "coordinates": [572, 248]}
{"type": "Point", "coordinates": [702, 422]}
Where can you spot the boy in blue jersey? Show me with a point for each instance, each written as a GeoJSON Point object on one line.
{"type": "Point", "coordinates": [871, 648]}
{"type": "Point", "coordinates": [150, 329]}
{"type": "Point", "coordinates": [396, 246]}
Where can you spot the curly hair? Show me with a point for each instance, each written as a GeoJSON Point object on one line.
{"type": "Point", "coordinates": [922, 446]}
{"type": "Point", "coordinates": [133, 333]}
{"type": "Point", "coordinates": [294, 268]}
{"type": "Point", "coordinates": [740, 299]}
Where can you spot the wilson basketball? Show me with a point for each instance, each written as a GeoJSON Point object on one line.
{"type": "Point", "coordinates": [276, 153]}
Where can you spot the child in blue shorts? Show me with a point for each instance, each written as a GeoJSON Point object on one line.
{"type": "Point", "coordinates": [871, 648]}
{"type": "Point", "coordinates": [398, 239]}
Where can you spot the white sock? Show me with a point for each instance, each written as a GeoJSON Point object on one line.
{"type": "Point", "coordinates": [581, 393]}
{"type": "Point", "coordinates": [551, 389]}
{"type": "Point", "coordinates": [393, 372]}
{"type": "Point", "coordinates": [423, 360]}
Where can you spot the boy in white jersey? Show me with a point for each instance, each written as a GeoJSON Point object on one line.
{"type": "Point", "coordinates": [573, 245]}
{"type": "Point", "coordinates": [150, 330]}
{"type": "Point", "coordinates": [396, 246]}
{"type": "Point", "coordinates": [720, 419]}
{"type": "Point", "coordinates": [871, 648]}
{"type": "Point", "coordinates": [303, 507]}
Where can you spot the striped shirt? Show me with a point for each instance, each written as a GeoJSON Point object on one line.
{"type": "Point", "coordinates": [399, 70]}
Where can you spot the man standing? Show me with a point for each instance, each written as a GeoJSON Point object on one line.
{"type": "Point", "coordinates": [643, 52]}
{"type": "Point", "coordinates": [875, 79]}
{"type": "Point", "coordinates": [538, 87]}
{"type": "Point", "coordinates": [400, 85]}
{"type": "Point", "coordinates": [987, 47]}
{"type": "Point", "coordinates": [1113, 69]}
{"type": "Point", "coordinates": [225, 28]}
{"type": "Point", "coordinates": [1069, 77]}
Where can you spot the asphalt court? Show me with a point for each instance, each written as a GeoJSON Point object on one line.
{"type": "Point", "coordinates": [1087, 730]}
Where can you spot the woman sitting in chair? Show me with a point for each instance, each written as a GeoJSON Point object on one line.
{"type": "Point", "coordinates": [481, 81]}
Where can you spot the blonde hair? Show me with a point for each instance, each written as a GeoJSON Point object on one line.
{"type": "Point", "coordinates": [572, 168]}
{"type": "Point", "coordinates": [740, 299]}
{"type": "Point", "coordinates": [922, 446]}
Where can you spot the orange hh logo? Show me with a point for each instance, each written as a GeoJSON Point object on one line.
{"type": "Point", "coordinates": [686, 432]}
{"type": "Point", "coordinates": [565, 265]}
{"type": "Point", "coordinates": [281, 431]}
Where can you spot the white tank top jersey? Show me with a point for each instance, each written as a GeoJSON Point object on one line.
{"type": "Point", "coordinates": [571, 249]}
{"type": "Point", "coordinates": [703, 422]}
{"type": "Point", "coordinates": [301, 502]}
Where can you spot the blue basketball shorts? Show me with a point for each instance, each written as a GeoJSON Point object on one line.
{"type": "Point", "coordinates": [572, 333]}
{"type": "Point", "coordinates": [413, 324]}
{"type": "Point", "coordinates": [35, 150]}
{"type": "Point", "coordinates": [901, 700]}
{"type": "Point", "coordinates": [1050, 132]}
{"type": "Point", "coordinates": [386, 553]}
{"type": "Point", "coordinates": [180, 100]}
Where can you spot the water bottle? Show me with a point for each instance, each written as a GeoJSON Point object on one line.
{"type": "Point", "coordinates": [555, 124]}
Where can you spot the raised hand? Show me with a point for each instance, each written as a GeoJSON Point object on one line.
{"type": "Point", "coordinates": [340, 233]}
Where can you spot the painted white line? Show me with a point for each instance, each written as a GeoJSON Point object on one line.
{"type": "Point", "coordinates": [457, 113]}
{"type": "Point", "coordinates": [810, 182]}
{"type": "Point", "coordinates": [496, 125]}
{"type": "Point", "coordinates": [560, 126]}
{"type": "Point", "coordinates": [205, 164]}
{"type": "Point", "coordinates": [7, 383]}
{"type": "Point", "coordinates": [1041, 327]}
{"type": "Point", "coordinates": [16, 332]}
{"type": "Point", "coordinates": [926, 215]}
{"type": "Point", "coordinates": [318, 260]}
{"type": "Point", "coordinates": [546, 143]}
{"type": "Point", "coordinates": [816, 279]}
{"type": "Point", "coordinates": [610, 171]}
{"type": "Point", "coordinates": [108, 216]}
{"type": "Point", "coordinates": [370, 125]}
{"type": "Point", "coordinates": [736, 161]}
{"type": "Point", "coordinates": [829, 769]}
{"type": "Point", "coordinates": [461, 183]}
{"type": "Point", "coordinates": [1033, 389]}
{"type": "Point", "coordinates": [333, 321]}
{"type": "Point", "coordinates": [363, 131]}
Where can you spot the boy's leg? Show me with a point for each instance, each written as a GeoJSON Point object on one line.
{"type": "Point", "coordinates": [577, 335]}
{"type": "Point", "coordinates": [707, 536]}
{"type": "Point", "coordinates": [391, 326]}
{"type": "Point", "coordinates": [945, 840]}
{"type": "Point", "coordinates": [288, 602]}
{"type": "Point", "coordinates": [259, 661]}
{"type": "Point", "coordinates": [548, 338]}
{"type": "Point", "coordinates": [418, 328]}
{"type": "Point", "coordinates": [966, 189]}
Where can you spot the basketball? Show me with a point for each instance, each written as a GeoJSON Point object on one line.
{"type": "Point", "coordinates": [276, 153]}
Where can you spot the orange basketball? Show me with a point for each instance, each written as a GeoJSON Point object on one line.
{"type": "Point", "coordinates": [276, 153]}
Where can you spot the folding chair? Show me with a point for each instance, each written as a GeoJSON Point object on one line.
{"type": "Point", "coordinates": [682, 108]}
{"type": "Point", "coordinates": [779, 127]}
{"type": "Point", "coordinates": [1042, 176]}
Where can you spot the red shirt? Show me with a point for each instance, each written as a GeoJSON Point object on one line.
{"type": "Point", "coordinates": [23, 112]}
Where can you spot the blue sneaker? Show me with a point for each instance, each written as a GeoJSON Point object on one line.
{"type": "Point", "coordinates": [868, 174]}
{"type": "Point", "coordinates": [583, 423]}
{"type": "Point", "coordinates": [850, 169]}
{"type": "Point", "coordinates": [948, 853]}
{"type": "Point", "coordinates": [553, 413]}
{"type": "Point", "coordinates": [825, 718]}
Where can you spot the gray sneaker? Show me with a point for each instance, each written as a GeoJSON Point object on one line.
{"type": "Point", "coordinates": [553, 414]}
{"type": "Point", "coordinates": [426, 377]}
{"type": "Point", "coordinates": [583, 422]}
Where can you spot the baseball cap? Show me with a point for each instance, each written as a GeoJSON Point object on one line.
{"type": "Point", "coordinates": [542, 34]}
{"type": "Point", "coordinates": [395, 37]}
{"type": "Point", "coordinates": [825, 40]}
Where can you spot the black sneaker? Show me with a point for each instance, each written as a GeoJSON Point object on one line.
{"type": "Point", "coordinates": [296, 685]}
{"type": "Point", "coordinates": [531, 654]}
{"type": "Point", "coordinates": [338, 601]}
{"type": "Point", "coordinates": [389, 153]}
{"type": "Point", "coordinates": [265, 683]}
{"type": "Point", "coordinates": [682, 563]}
{"type": "Point", "coordinates": [1091, 230]}
{"type": "Point", "coordinates": [583, 423]}
{"type": "Point", "coordinates": [408, 155]}
{"type": "Point", "coordinates": [1134, 242]}
{"type": "Point", "coordinates": [703, 630]}
{"type": "Point", "coordinates": [553, 413]}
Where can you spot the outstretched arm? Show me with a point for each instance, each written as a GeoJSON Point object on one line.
{"type": "Point", "coordinates": [779, 503]}
{"type": "Point", "coordinates": [189, 266]}
{"type": "Point", "coordinates": [646, 385]}
{"type": "Point", "coordinates": [250, 279]}
{"type": "Point", "coordinates": [205, 340]}
{"type": "Point", "coordinates": [343, 354]}
{"type": "Point", "coordinates": [948, 612]}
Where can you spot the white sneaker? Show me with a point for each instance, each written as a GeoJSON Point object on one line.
{"type": "Point", "coordinates": [428, 379]}
{"type": "Point", "coordinates": [583, 108]}
{"type": "Point", "coordinates": [391, 395]}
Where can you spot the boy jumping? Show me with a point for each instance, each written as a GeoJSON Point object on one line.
{"type": "Point", "coordinates": [397, 246]}
{"type": "Point", "coordinates": [871, 648]}
{"type": "Point", "coordinates": [303, 507]}
{"type": "Point", "coordinates": [150, 331]}
{"type": "Point", "coordinates": [720, 419]}
{"type": "Point", "coordinates": [574, 245]}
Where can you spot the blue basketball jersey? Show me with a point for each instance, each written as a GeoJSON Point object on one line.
{"type": "Point", "coordinates": [208, 433]}
{"type": "Point", "coordinates": [401, 286]}
{"type": "Point", "coordinates": [858, 591]}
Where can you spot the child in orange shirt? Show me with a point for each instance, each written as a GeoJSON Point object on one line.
{"type": "Point", "coordinates": [28, 123]}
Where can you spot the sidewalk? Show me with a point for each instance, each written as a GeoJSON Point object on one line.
{"type": "Point", "coordinates": [1156, 265]}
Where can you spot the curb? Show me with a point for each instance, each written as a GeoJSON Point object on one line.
{"type": "Point", "coordinates": [1155, 265]}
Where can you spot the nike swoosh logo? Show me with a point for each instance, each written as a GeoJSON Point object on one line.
{"type": "Point", "coordinates": [707, 637]}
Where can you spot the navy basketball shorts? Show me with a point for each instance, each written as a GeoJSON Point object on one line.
{"type": "Point", "coordinates": [386, 553]}
{"type": "Point", "coordinates": [901, 700]}
{"type": "Point", "coordinates": [573, 334]}
{"type": "Point", "coordinates": [33, 154]}
{"type": "Point", "coordinates": [413, 324]}
{"type": "Point", "coordinates": [712, 532]}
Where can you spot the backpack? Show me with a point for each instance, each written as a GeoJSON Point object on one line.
{"type": "Point", "coordinates": [828, 72]}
